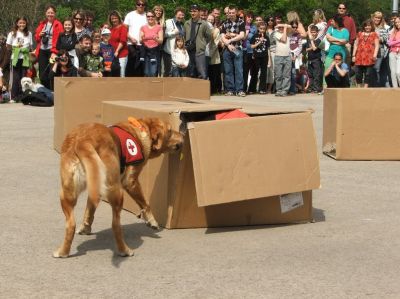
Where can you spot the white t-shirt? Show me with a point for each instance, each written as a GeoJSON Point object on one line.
{"type": "Point", "coordinates": [135, 21]}
{"type": "Point", "coordinates": [20, 39]}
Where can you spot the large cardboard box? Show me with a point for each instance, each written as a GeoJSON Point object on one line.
{"type": "Point", "coordinates": [230, 172]}
{"type": "Point", "coordinates": [78, 100]}
{"type": "Point", "coordinates": [362, 124]}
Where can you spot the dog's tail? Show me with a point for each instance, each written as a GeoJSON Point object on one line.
{"type": "Point", "coordinates": [95, 172]}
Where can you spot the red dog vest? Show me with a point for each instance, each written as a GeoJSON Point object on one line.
{"type": "Point", "coordinates": [131, 150]}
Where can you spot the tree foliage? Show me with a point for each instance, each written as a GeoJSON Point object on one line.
{"type": "Point", "coordinates": [34, 9]}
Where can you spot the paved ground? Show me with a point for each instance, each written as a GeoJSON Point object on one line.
{"type": "Point", "coordinates": [352, 251]}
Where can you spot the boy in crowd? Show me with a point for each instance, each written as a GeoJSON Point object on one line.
{"type": "Point", "coordinates": [337, 74]}
{"type": "Point", "coordinates": [283, 61]}
{"type": "Point", "coordinates": [315, 65]}
{"type": "Point", "coordinates": [107, 52]}
{"type": "Point", "coordinates": [94, 61]}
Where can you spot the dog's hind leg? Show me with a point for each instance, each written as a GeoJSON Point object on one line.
{"type": "Point", "coordinates": [115, 197]}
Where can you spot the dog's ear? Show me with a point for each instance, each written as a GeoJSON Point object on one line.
{"type": "Point", "coordinates": [156, 132]}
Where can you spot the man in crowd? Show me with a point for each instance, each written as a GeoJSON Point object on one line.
{"type": "Point", "coordinates": [173, 27]}
{"type": "Point", "coordinates": [232, 34]}
{"type": "Point", "coordinates": [216, 12]}
{"type": "Point", "coordinates": [134, 21]}
{"type": "Point", "coordinates": [198, 35]}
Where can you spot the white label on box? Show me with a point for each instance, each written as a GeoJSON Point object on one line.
{"type": "Point", "coordinates": [291, 201]}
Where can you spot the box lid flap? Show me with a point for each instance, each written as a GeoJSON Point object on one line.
{"type": "Point", "coordinates": [242, 159]}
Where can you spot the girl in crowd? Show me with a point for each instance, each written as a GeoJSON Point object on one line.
{"type": "Point", "coordinates": [19, 40]}
{"type": "Point", "coordinates": [68, 40]}
{"type": "Point", "coordinates": [270, 69]}
{"type": "Point", "coordinates": [248, 61]}
{"type": "Point", "coordinates": [151, 36]}
{"type": "Point", "coordinates": [365, 51]}
{"type": "Point", "coordinates": [118, 39]}
{"type": "Point", "coordinates": [382, 61]}
{"type": "Point", "coordinates": [79, 22]}
{"type": "Point", "coordinates": [338, 37]}
{"type": "Point", "coordinates": [394, 54]}
{"type": "Point", "coordinates": [179, 58]}
{"type": "Point", "coordinates": [46, 37]}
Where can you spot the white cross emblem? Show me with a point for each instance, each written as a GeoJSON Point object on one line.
{"type": "Point", "coordinates": [131, 146]}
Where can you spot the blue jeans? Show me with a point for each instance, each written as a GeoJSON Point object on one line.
{"type": "Point", "coordinates": [178, 72]}
{"type": "Point", "coordinates": [233, 65]}
{"type": "Point", "coordinates": [150, 66]}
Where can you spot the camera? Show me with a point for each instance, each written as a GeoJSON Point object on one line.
{"type": "Point", "coordinates": [190, 45]}
{"type": "Point", "coordinates": [45, 40]}
{"type": "Point", "coordinates": [60, 59]}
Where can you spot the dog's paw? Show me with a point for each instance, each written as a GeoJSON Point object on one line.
{"type": "Point", "coordinates": [153, 224]}
{"type": "Point", "coordinates": [59, 254]}
{"type": "Point", "coordinates": [128, 252]}
{"type": "Point", "coordinates": [85, 230]}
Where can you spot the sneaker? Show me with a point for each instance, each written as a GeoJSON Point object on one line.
{"type": "Point", "coordinates": [241, 94]}
{"type": "Point", "coordinates": [278, 94]}
{"type": "Point", "coordinates": [141, 59]}
{"type": "Point", "coordinates": [262, 92]}
{"type": "Point", "coordinates": [12, 101]}
{"type": "Point", "coordinates": [229, 93]}
{"type": "Point", "coordinates": [284, 94]}
{"type": "Point", "coordinates": [153, 60]}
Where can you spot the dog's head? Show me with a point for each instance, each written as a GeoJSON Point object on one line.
{"type": "Point", "coordinates": [27, 83]}
{"type": "Point", "coordinates": [163, 138]}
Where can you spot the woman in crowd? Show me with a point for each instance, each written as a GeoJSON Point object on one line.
{"type": "Point", "coordinates": [46, 37]}
{"type": "Point", "coordinates": [151, 36]}
{"type": "Point", "coordinates": [248, 61]}
{"type": "Point", "coordinates": [19, 41]}
{"type": "Point", "coordinates": [319, 20]}
{"type": "Point", "coordinates": [394, 53]}
{"type": "Point", "coordinates": [338, 37]}
{"type": "Point", "coordinates": [365, 51]}
{"type": "Point", "coordinates": [160, 14]}
{"type": "Point", "coordinates": [292, 16]}
{"type": "Point", "coordinates": [118, 39]}
{"type": "Point", "coordinates": [270, 21]}
{"type": "Point", "coordinates": [381, 66]}
{"type": "Point", "coordinates": [79, 22]}
{"type": "Point", "coordinates": [214, 66]}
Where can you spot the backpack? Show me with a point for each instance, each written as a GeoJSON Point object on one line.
{"type": "Point", "coordinates": [32, 98]}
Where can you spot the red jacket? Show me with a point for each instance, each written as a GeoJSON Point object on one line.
{"type": "Point", "coordinates": [57, 29]}
{"type": "Point", "coordinates": [119, 34]}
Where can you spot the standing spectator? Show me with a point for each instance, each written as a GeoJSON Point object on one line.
{"type": "Point", "coordinates": [272, 48]}
{"type": "Point", "coordinates": [337, 74]}
{"type": "Point", "coordinates": [151, 36]}
{"type": "Point", "coordinates": [46, 36]}
{"type": "Point", "coordinates": [203, 14]}
{"type": "Point", "coordinates": [118, 39]}
{"type": "Point", "coordinates": [381, 66]}
{"type": "Point", "coordinates": [19, 40]}
{"type": "Point", "coordinates": [214, 66]}
{"type": "Point", "coordinates": [198, 35]}
{"type": "Point", "coordinates": [295, 41]}
{"type": "Point", "coordinates": [319, 20]}
{"type": "Point", "coordinates": [292, 16]}
{"type": "Point", "coordinates": [4, 62]}
{"type": "Point", "coordinates": [180, 58]}
{"type": "Point", "coordinates": [89, 20]}
{"type": "Point", "coordinates": [260, 45]}
{"type": "Point", "coordinates": [394, 53]}
{"type": "Point", "coordinates": [365, 52]}
{"type": "Point", "coordinates": [315, 67]}
{"type": "Point", "coordinates": [79, 20]}
{"type": "Point", "coordinates": [173, 28]}
{"type": "Point", "coordinates": [233, 32]}
{"type": "Point", "coordinates": [68, 40]}
{"type": "Point", "coordinates": [111, 69]}
{"type": "Point", "coordinates": [216, 12]}
{"type": "Point", "coordinates": [248, 61]}
{"type": "Point", "coordinates": [160, 15]}
{"type": "Point", "coordinates": [350, 25]}
{"type": "Point", "coordinates": [283, 61]}
{"type": "Point", "coordinates": [338, 37]}
{"type": "Point", "coordinates": [135, 20]}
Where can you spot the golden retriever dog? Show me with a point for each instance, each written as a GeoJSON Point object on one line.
{"type": "Point", "coordinates": [92, 156]}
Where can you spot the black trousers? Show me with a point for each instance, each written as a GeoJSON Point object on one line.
{"type": "Point", "coordinates": [332, 81]}
{"type": "Point", "coordinates": [134, 68]}
{"type": "Point", "coordinates": [260, 65]}
{"type": "Point", "coordinates": [44, 68]}
{"type": "Point", "coordinates": [315, 73]}
{"type": "Point", "coordinates": [214, 75]}
{"type": "Point", "coordinates": [248, 67]}
{"type": "Point", "coordinates": [18, 72]}
{"type": "Point", "coordinates": [167, 64]}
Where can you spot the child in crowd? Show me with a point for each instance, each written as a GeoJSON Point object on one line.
{"type": "Point", "coordinates": [94, 61]}
{"type": "Point", "coordinates": [67, 40]}
{"type": "Point", "coordinates": [314, 58]}
{"type": "Point", "coordinates": [96, 36]}
{"type": "Point", "coordinates": [180, 58]}
{"type": "Point", "coordinates": [295, 50]}
{"type": "Point", "coordinates": [282, 61]}
{"type": "Point", "coordinates": [260, 44]}
{"type": "Point", "coordinates": [302, 80]}
{"type": "Point", "coordinates": [107, 52]}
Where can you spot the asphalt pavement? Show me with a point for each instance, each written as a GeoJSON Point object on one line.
{"type": "Point", "coordinates": [351, 251]}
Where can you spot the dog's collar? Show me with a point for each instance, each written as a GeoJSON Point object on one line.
{"type": "Point", "coordinates": [134, 122]}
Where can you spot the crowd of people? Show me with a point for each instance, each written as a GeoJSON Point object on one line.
{"type": "Point", "coordinates": [238, 51]}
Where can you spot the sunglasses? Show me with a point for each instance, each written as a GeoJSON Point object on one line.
{"type": "Point", "coordinates": [78, 19]}
{"type": "Point", "coordinates": [150, 16]}
{"type": "Point", "coordinates": [294, 27]}
{"type": "Point", "coordinates": [140, 4]}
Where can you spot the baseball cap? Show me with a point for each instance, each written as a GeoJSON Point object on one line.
{"type": "Point", "coordinates": [105, 31]}
{"type": "Point", "coordinates": [194, 7]}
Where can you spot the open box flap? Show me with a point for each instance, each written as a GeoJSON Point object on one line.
{"type": "Point", "coordinates": [243, 159]}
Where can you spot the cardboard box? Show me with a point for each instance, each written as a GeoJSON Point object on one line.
{"type": "Point", "coordinates": [230, 172]}
{"type": "Point", "coordinates": [78, 100]}
{"type": "Point", "coordinates": [362, 124]}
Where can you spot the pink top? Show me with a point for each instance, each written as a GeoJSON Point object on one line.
{"type": "Point", "coordinates": [394, 42]}
{"type": "Point", "coordinates": [149, 35]}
